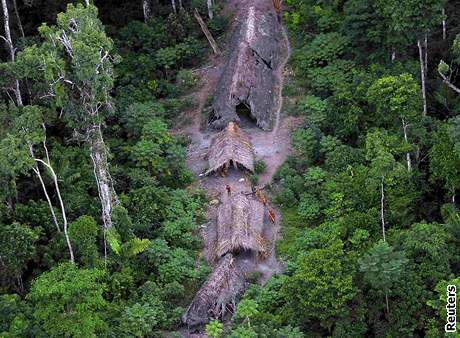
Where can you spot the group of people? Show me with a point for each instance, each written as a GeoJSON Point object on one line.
{"type": "Point", "coordinates": [261, 197]}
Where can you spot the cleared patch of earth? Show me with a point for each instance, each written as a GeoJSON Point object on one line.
{"type": "Point", "coordinates": [273, 147]}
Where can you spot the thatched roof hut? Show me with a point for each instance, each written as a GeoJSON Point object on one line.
{"type": "Point", "coordinates": [230, 146]}
{"type": "Point", "coordinates": [218, 293]}
{"type": "Point", "coordinates": [257, 50]}
{"type": "Point", "coordinates": [240, 222]}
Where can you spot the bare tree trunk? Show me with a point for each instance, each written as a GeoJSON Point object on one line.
{"type": "Point", "coordinates": [422, 75]}
{"type": "Point", "coordinates": [101, 174]}
{"type": "Point", "coordinates": [210, 9]}
{"type": "Point", "coordinates": [16, 11]}
{"type": "Point", "coordinates": [382, 208]}
{"type": "Point", "coordinates": [47, 164]}
{"type": "Point", "coordinates": [7, 37]}
{"type": "Point", "coordinates": [180, 5]}
{"type": "Point", "coordinates": [425, 47]}
{"type": "Point", "coordinates": [37, 172]}
{"type": "Point", "coordinates": [20, 284]}
{"type": "Point", "coordinates": [9, 42]}
{"type": "Point", "coordinates": [453, 195]}
{"type": "Point", "coordinates": [146, 6]}
{"type": "Point", "coordinates": [206, 32]}
{"type": "Point", "coordinates": [408, 160]}
{"type": "Point", "coordinates": [444, 25]}
{"type": "Point", "coordinates": [393, 54]}
{"type": "Point", "coordinates": [449, 84]}
{"type": "Point", "coordinates": [173, 4]}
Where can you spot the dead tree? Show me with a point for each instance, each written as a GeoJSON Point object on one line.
{"type": "Point", "coordinates": [37, 172]}
{"type": "Point", "coordinates": [210, 9]}
{"type": "Point", "coordinates": [444, 24]}
{"type": "Point", "coordinates": [422, 73]}
{"type": "Point", "coordinates": [11, 50]}
{"type": "Point", "coordinates": [447, 81]}
{"type": "Point", "coordinates": [147, 9]}
{"type": "Point", "coordinates": [382, 207]}
{"type": "Point", "coordinates": [61, 204]}
{"type": "Point", "coordinates": [408, 159]}
{"type": "Point", "coordinates": [46, 163]}
{"type": "Point", "coordinates": [206, 32]}
{"type": "Point", "coordinates": [104, 183]}
{"type": "Point", "coordinates": [92, 106]}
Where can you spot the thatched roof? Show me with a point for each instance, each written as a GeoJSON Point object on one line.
{"type": "Point", "coordinates": [240, 221]}
{"type": "Point", "coordinates": [256, 53]}
{"type": "Point", "coordinates": [221, 289]}
{"type": "Point", "coordinates": [231, 145]}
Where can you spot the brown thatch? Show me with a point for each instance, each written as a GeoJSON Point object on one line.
{"type": "Point", "coordinates": [257, 52]}
{"type": "Point", "coordinates": [217, 295]}
{"type": "Point", "coordinates": [240, 221]}
{"type": "Point", "coordinates": [231, 145]}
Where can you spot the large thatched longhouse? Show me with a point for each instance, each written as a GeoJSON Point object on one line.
{"type": "Point", "coordinates": [249, 78]}
{"type": "Point", "coordinates": [218, 293]}
{"type": "Point", "coordinates": [240, 222]}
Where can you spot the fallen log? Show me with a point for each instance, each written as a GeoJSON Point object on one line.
{"type": "Point", "coordinates": [206, 32]}
{"type": "Point", "coordinates": [250, 77]}
{"type": "Point", "coordinates": [218, 294]}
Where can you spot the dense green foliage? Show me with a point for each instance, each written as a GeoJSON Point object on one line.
{"type": "Point", "coordinates": [369, 196]}
{"type": "Point", "coordinates": [366, 150]}
{"type": "Point", "coordinates": [136, 278]}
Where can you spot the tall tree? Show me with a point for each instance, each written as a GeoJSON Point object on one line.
{"type": "Point", "coordinates": [397, 97]}
{"type": "Point", "coordinates": [77, 63]}
{"type": "Point", "coordinates": [69, 301]}
{"type": "Point", "coordinates": [413, 19]}
{"type": "Point", "coordinates": [16, 251]}
{"type": "Point", "coordinates": [381, 149]}
{"type": "Point", "coordinates": [320, 284]}
{"type": "Point", "coordinates": [11, 49]}
{"type": "Point", "coordinates": [31, 130]}
{"type": "Point", "coordinates": [445, 156]}
{"type": "Point", "coordinates": [382, 267]}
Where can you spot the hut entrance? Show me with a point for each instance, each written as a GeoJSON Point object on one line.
{"type": "Point", "coordinates": [244, 113]}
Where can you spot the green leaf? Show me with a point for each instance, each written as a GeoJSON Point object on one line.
{"type": "Point", "coordinates": [113, 238]}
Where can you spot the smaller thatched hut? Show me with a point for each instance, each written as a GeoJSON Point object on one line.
{"type": "Point", "coordinates": [218, 293]}
{"type": "Point", "coordinates": [240, 222]}
{"type": "Point", "coordinates": [230, 146]}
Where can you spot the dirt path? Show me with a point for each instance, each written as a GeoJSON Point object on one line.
{"type": "Point", "coordinates": [272, 147]}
